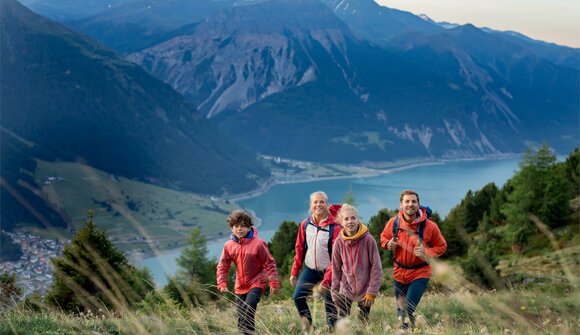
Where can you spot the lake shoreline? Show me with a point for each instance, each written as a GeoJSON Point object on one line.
{"type": "Point", "coordinates": [370, 172]}
{"type": "Point", "coordinates": [266, 186]}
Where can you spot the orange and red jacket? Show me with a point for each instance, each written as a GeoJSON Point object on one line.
{"type": "Point", "coordinates": [408, 238]}
{"type": "Point", "coordinates": [254, 264]}
{"type": "Point", "coordinates": [312, 245]}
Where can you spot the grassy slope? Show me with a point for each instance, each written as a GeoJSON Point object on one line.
{"type": "Point", "coordinates": [519, 311]}
{"type": "Point", "coordinates": [130, 210]}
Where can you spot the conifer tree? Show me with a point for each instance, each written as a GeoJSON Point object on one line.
{"type": "Point", "coordinates": [9, 291]}
{"type": "Point", "coordinates": [195, 274]}
{"type": "Point", "coordinates": [282, 246]}
{"type": "Point", "coordinates": [93, 274]}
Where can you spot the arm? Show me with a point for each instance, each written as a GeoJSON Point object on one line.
{"type": "Point", "coordinates": [299, 248]}
{"type": "Point", "coordinates": [436, 245]}
{"type": "Point", "coordinates": [327, 280]}
{"type": "Point", "coordinates": [376, 272]}
{"type": "Point", "coordinates": [387, 233]}
{"type": "Point", "coordinates": [269, 265]}
{"type": "Point", "coordinates": [336, 269]}
{"type": "Point", "coordinates": [222, 270]}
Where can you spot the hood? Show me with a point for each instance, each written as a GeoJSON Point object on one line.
{"type": "Point", "coordinates": [333, 211]}
{"type": "Point", "coordinates": [253, 233]}
{"type": "Point", "coordinates": [362, 230]}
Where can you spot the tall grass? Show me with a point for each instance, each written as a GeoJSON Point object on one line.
{"type": "Point", "coordinates": [513, 311]}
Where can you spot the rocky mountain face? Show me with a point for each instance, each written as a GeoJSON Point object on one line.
{"type": "Point", "coordinates": [63, 97]}
{"type": "Point", "coordinates": [296, 74]}
{"type": "Point", "coordinates": [242, 55]}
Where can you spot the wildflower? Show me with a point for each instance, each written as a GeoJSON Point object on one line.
{"type": "Point", "coordinates": [523, 308]}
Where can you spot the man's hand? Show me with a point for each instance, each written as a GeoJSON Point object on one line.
{"type": "Point", "coordinates": [419, 251]}
{"type": "Point", "coordinates": [223, 289]}
{"type": "Point", "coordinates": [392, 244]}
{"type": "Point", "coordinates": [274, 290]}
{"type": "Point", "coordinates": [293, 281]}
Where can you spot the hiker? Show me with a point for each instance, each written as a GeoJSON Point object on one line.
{"type": "Point", "coordinates": [356, 266]}
{"type": "Point", "coordinates": [415, 239]}
{"type": "Point", "coordinates": [254, 267]}
{"type": "Point", "coordinates": [316, 235]}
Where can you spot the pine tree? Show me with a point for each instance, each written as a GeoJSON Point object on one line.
{"type": "Point", "coordinates": [282, 246]}
{"type": "Point", "coordinates": [9, 291]}
{"type": "Point", "coordinates": [191, 284]}
{"type": "Point", "coordinates": [92, 274]}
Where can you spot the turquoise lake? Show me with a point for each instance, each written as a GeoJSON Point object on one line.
{"type": "Point", "coordinates": [440, 186]}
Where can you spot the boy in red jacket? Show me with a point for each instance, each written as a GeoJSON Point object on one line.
{"type": "Point", "coordinates": [411, 253]}
{"type": "Point", "coordinates": [254, 267]}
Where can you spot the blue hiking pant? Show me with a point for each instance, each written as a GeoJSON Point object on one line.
{"type": "Point", "coordinates": [306, 282]}
{"type": "Point", "coordinates": [246, 305]}
{"type": "Point", "coordinates": [412, 294]}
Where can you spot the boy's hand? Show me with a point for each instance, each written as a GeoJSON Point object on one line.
{"type": "Point", "coordinates": [274, 290]}
{"type": "Point", "coordinates": [223, 289]}
{"type": "Point", "coordinates": [293, 281]}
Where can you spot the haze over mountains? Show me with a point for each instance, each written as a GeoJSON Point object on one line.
{"type": "Point", "coordinates": [64, 97]}
{"type": "Point", "coordinates": [296, 71]}
{"type": "Point", "coordinates": [318, 80]}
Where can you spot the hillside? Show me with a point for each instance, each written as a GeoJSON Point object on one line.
{"type": "Point", "coordinates": [69, 99]}
{"type": "Point", "coordinates": [137, 215]}
{"type": "Point", "coordinates": [549, 309]}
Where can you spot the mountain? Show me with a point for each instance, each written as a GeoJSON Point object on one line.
{"type": "Point", "coordinates": [65, 98]}
{"type": "Point", "coordinates": [136, 25]}
{"type": "Point", "coordinates": [297, 74]}
{"type": "Point", "coordinates": [67, 10]}
{"type": "Point", "coordinates": [376, 23]}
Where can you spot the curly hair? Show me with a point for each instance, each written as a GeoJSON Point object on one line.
{"type": "Point", "coordinates": [240, 217]}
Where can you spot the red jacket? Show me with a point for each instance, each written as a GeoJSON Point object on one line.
{"type": "Point", "coordinates": [254, 263]}
{"type": "Point", "coordinates": [408, 239]}
{"type": "Point", "coordinates": [313, 251]}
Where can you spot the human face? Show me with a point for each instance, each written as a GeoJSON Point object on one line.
{"type": "Point", "coordinates": [240, 230]}
{"type": "Point", "coordinates": [318, 206]}
{"type": "Point", "coordinates": [349, 222]}
{"type": "Point", "coordinates": [410, 206]}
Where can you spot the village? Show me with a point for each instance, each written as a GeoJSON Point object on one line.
{"type": "Point", "coordinates": [33, 270]}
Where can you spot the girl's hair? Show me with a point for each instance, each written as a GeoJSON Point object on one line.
{"type": "Point", "coordinates": [409, 192]}
{"type": "Point", "coordinates": [239, 217]}
{"type": "Point", "coordinates": [343, 209]}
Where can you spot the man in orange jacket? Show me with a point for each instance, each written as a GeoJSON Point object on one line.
{"type": "Point", "coordinates": [415, 239]}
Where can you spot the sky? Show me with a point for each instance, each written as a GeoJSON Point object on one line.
{"type": "Point", "coordinates": [556, 21]}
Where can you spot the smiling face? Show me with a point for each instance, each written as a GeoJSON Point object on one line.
{"type": "Point", "coordinates": [349, 221]}
{"type": "Point", "coordinates": [410, 206]}
{"type": "Point", "coordinates": [240, 230]}
{"type": "Point", "coordinates": [319, 205]}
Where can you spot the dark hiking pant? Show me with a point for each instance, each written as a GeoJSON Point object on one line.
{"type": "Point", "coordinates": [246, 305]}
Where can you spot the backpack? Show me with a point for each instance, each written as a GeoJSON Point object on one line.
{"type": "Point", "coordinates": [420, 231]}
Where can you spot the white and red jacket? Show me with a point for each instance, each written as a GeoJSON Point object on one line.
{"type": "Point", "coordinates": [254, 264]}
{"type": "Point", "coordinates": [313, 242]}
